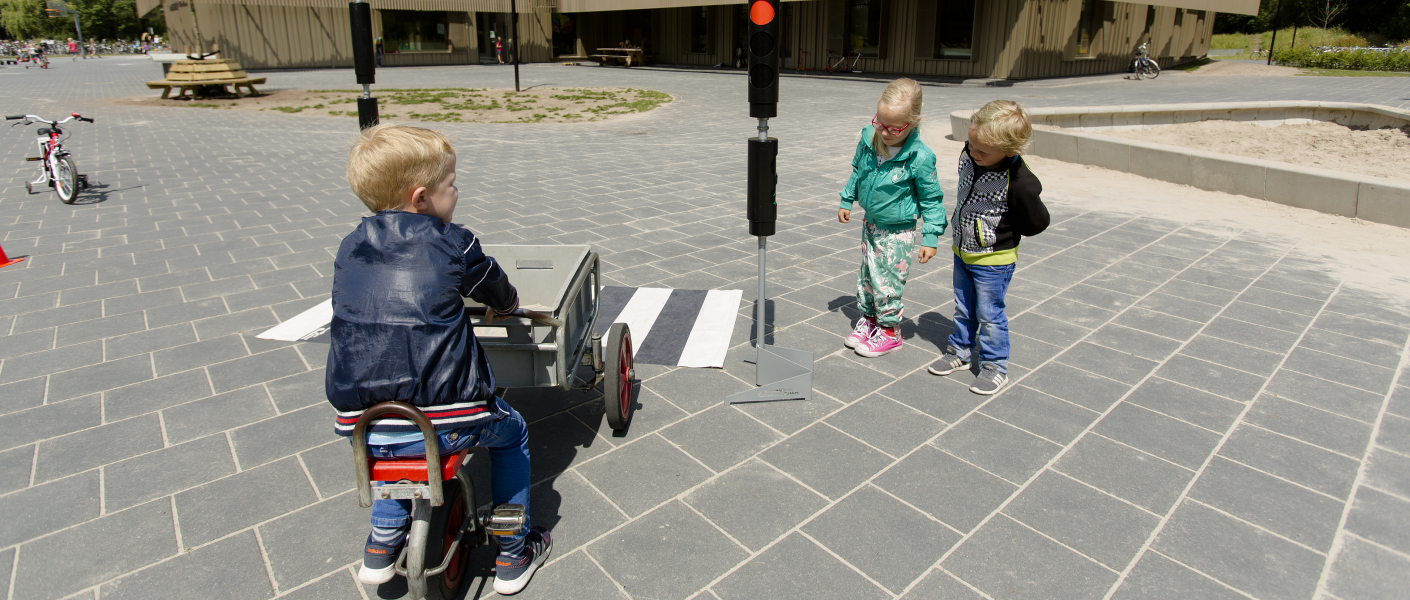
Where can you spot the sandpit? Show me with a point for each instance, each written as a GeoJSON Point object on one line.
{"type": "Point", "coordinates": [1383, 153]}
{"type": "Point", "coordinates": [1230, 67]}
{"type": "Point", "coordinates": [440, 105]}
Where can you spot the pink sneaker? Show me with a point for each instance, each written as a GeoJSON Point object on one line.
{"type": "Point", "coordinates": [860, 334]}
{"type": "Point", "coordinates": [883, 341]}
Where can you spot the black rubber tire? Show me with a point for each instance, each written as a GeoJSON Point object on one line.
{"type": "Point", "coordinates": [618, 400]}
{"type": "Point", "coordinates": [66, 177]}
{"type": "Point", "coordinates": [28, 188]}
{"type": "Point", "coordinates": [442, 532]}
{"type": "Point", "coordinates": [1151, 71]}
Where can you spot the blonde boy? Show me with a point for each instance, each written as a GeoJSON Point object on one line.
{"type": "Point", "coordinates": [999, 201]}
{"type": "Point", "coordinates": [400, 332]}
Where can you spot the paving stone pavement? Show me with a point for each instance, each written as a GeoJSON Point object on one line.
{"type": "Point", "coordinates": [1196, 411]}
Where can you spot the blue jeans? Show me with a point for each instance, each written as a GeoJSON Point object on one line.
{"type": "Point", "coordinates": [979, 313]}
{"type": "Point", "coordinates": [507, 438]}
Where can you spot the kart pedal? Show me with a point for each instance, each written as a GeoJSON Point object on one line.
{"type": "Point", "coordinates": [506, 519]}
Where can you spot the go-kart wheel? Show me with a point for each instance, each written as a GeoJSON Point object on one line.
{"type": "Point", "coordinates": [617, 398]}
{"type": "Point", "coordinates": [446, 520]}
{"type": "Point", "coordinates": [28, 188]}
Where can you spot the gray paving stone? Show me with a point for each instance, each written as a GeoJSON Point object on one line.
{"type": "Point", "coordinates": [826, 460]}
{"type": "Point", "coordinates": [255, 369]}
{"type": "Point", "coordinates": [1388, 471]}
{"type": "Point", "coordinates": [1097, 525]}
{"type": "Point", "coordinates": [945, 398]}
{"type": "Point", "coordinates": [1363, 571]}
{"type": "Point", "coordinates": [336, 586]}
{"type": "Point", "coordinates": [83, 450]}
{"type": "Point", "coordinates": [694, 390]}
{"type": "Point", "coordinates": [671, 539]}
{"type": "Point", "coordinates": [1200, 293]}
{"type": "Point", "coordinates": [875, 553]}
{"type": "Point", "coordinates": [282, 436]}
{"type": "Point", "coordinates": [1299, 514]}
{"type": "Point", "coordinates": [1114, 364]}
{"type": "Point", "coordinates": [156, 474]}
{"type": "Point", "coordinates": [95, 378]}
{"type": "Point", "coordinates": [328, 465]}
{"type": "Point", "coordinates": [155, 394]}
{"type": "Point", "coordinates": [115, 544]}
{"type": "Point", "coordinates": [1357, 349]}
{"type": "Point", "coordinates": [973, 438]}
{"type": "Point", "coordinates": [1187, 404]}
{"type": "Point", "coordinates": [1233, 355]}
{"type": "Point", "coordinates": [796, 568]}
{"type": "Point", "coordinates": [250, 320]}
{"type": "Point", "coordinates": [574, 576]}
{"type": "Point", "coordinates": [297, 391]}
{"type": "Point", "coordinates": [939, 585]}
{"type": "Point", "coordinates": [1159, 578]}
{"type": "Point", "coordinates": [1354, 373]}
{"type": "Point", "coordinates": [227, 505]}
{"type": "Point", "coordinates": [1268, 317]}
{"type": "Point", "coordinates": [1158, 323]}
{"type": "Point", "coordinates": [98, 329]}
{"type": "Point", "coordinates": [49, 507]}
{"type": "Point", "coordinates": [49, 421]}
{"type": "Point", "coordinates": [1113, 278]}
{"type": "Point", "coordinates": [1317, 427]}
{"type": "Point", "coordinates": [54, 317]}
{"type": "Point", "coordinates": [1394, 434]}
{"type": "Point", "coordinates": [1293, 460]}
{"type": "Point", "coordinates": [1077, 386]}
{"type": "Point", "coordinates": [1134, 341]}
{"type": "Point", "coordinates": [844, 380]}
{"type": "Point", "coordinates": [720, 437]}
{"type": "Point", "coordinates": [1098, 297]}
{"type": "Point", "coordinates": [1162, 436]}
{"type": "Point", "coordinates": [184, 312]}
{"type": "Point", "coordinates": [1038, 413]}
{"type": "Point", "coordinates": [644, 474]}
{"type": "Point", "coordinates": [43, 363]}
{"type": "Point", "coordinates": [890, 426]}
{"type": "Point", "coordinates": [1198, 312]}
{"type": "Point", "coordinates": [1242, 332]}
{"type": "Point", "coordinates": [304, 545]}
{"type": "Point", "coordinates": [790, 417]}
{"type": "Point", "coordinates": [1326, 395]}
{"type": "Point", "coordinates": [1373, 310]}
{"type": "Point", "coordinates": [217, 413]}
{"type": "Point", "coordinates": [652, 413]}
{"type": "Point", "coordinates": [26, 343]}
{"type": "Point", "coordinates": [227, 569]}
{"type": "Point", "coordinates": [1281, 301]}
{"type": "Point", "coordinates": [557, 443]}
{"type": "Point", "coordinates": [15, 467]}
{"type": "Point", "coordinates": [1046, 328]}
{"type": "Point", "coordinates": [1074, 313]}
{"type": "Point", "coordinates": [1363, 329]}
{"type": "Point", "coordinates": [21, 395]}
{"type": "Point", "coordinates": [1245, 558]}
{"type": "Point", "coordinates": [1125, 472]}
{"type": "Point", "coordinates": [569, 507]}
{"type": "Point", "coordinates": [775, 503]}
{"type": "Point", "coordinates": [1007, 560]}
{"type": "Point", "coordinates": [1381, 518]}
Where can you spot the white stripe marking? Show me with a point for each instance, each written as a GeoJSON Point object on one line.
{"type": "Point", "coordinates": [301, 325]}
{"type": "Point", "coordinates": [641, 311]}
{"type": "Point", "coordinates": [710, 336]}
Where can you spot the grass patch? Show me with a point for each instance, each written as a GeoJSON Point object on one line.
{"type": "Point", "coordinates": [202, 105]}
{"type": "Point", "coordinates": [1349, 73]}
{"type": "Point", "coordinates": [289, 109]}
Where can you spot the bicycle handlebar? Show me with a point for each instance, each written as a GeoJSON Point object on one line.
{"type": "Point", "coordinates": [40, 119]}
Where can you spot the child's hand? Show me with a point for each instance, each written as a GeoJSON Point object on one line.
{"type": "Point", "coordinates": [926, 253]}
{"type": "Point", "coordinates": [844, 215]}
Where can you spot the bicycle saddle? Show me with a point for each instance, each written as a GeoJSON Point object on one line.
{"type": "Point", "coordinates": [45, 131]}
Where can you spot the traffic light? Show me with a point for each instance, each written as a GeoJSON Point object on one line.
{"type": "Point", "coordinates": [764, 40]}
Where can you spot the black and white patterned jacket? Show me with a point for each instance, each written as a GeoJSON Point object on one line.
{"type": "Point", "coordinates": [994, 208]}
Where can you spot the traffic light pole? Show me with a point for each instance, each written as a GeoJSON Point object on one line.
{"type": "Point", "coordinates": [780, 373]}
{"type": "Point", "coordinates": [364, 61]}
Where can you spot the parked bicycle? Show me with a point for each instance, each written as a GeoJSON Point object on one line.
{"type": "Point", "coordinates": [56, 168]}
{"type": "Point", "coordinates": [1142, 65]}
{"type": "Point", "coordinates": [842, 65]}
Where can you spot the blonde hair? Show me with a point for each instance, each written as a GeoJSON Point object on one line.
{"type": "Point", "coordinates": [1002, 124]}
{"type": "Point", "coordinates": [903, 94]}
{"type": "Point", "coordinates": [386, 161]}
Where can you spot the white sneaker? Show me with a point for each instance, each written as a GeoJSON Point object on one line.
{"type": "Point", "coordinates": [511, 574]}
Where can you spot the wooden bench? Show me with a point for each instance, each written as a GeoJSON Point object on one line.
{"type": "Point", "coordinates": [627, 55]}
{"type": "Point", "coordinates": [188, 75]}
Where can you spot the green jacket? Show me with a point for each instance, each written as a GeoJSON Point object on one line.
{"type": "Point", "coordinates": [896, 191]}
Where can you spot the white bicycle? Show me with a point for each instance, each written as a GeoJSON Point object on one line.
{"type": "Point", "coordinates": [56, 168]}
{"type": "Point", "coordinates": [1142, 65]}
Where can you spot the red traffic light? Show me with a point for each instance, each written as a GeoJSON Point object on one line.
{"type": "Point", "coordinates": [761, 13]}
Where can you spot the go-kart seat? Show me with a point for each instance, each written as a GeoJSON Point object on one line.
{"type": "Point", "coordinates": [414, 469]}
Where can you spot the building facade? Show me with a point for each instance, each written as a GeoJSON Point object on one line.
{"type": "Point", "coordinates": [1004, 39]}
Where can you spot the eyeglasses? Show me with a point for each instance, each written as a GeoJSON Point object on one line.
{"type": "Point", "coordinates": [876, 120]}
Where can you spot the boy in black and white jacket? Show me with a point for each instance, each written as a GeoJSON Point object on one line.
{"type": "Point", "coordinates": [999, 202]}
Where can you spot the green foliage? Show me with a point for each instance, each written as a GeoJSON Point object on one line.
{"type": "Point", "coordinates": [288, 109]}
{"type": "Point", "coordinates": [100, 19]}
{"type": "Point", "coordinates": [1351, 60]}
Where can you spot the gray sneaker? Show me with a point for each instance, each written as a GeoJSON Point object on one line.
{"type": "Point", "coordinates": [949, 363]}
{"type": "Point", "coordinates": [989, 381]}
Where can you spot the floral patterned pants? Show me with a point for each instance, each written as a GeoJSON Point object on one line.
{"type": "Point", "coordinates": [886, 259]}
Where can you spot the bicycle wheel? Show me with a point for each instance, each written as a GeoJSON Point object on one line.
{"type": "Point", "coordinates": [1150, 69]}
{"type": "Point", "coordinates": [65, 179]}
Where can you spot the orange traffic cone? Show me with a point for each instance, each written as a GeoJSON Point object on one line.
{"type": "Point", "coordinates": [6, 261]}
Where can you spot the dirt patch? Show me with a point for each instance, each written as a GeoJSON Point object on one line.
{"type": "Point", "coordinates": [1379, 153]}
{"type": "Point", "coordinates": [1229, 67]}
{"type": "Point", "coordinates": [441, 105]}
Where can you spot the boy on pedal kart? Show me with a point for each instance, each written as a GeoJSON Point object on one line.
{"type": "Point", "coordinates": [400, 332]}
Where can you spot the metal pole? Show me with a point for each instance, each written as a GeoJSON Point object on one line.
{"type": "Point", "coordinates": [514, 44]}
{"type": "Point", "coordinates": [1277, 18]}
{"type": "Point", "coordinates": [759, 306]}
{"type": "Point", "coordinates": [200, 44]}
{"type": "Point", "coordinates": [82, 51]}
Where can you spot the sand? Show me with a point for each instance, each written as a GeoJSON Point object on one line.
{"type": "Point", "coordinates": [1383, 153]}
{"type": "Point", "coordinates": [440, 105]}
{"type": "Point", "coordinates": [1229, 67]}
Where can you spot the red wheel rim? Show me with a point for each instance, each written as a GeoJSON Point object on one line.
{"type": "Point", "coordinates": [624, 391]}
{"type": "Point", "coordinates": [454, 521]}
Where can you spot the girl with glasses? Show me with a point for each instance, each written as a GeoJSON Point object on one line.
{"type": "Point", "coordinates": [894, 179]}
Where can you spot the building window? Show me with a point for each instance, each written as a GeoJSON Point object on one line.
{"type": "Point", "coordinates": [699, 29]}
{"type": "Point", "coordinates": [865, 27]}
{"type": "Point", "coordinates": [415, 30]}
{"type": "Point", "coordinates": [1150, 21]}
{"type": "Point", "coordinates": [954, 29]}
{"type": "Point", "coordinates": [1086, 27]}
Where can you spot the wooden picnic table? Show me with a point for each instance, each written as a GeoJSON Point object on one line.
{"type": "Point", "coordinates": [191, 74]}
{"type": "Point", "coordinates": [627, 55]}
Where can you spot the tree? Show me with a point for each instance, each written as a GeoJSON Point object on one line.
{"type": "Point", "coordinates": [23, 18]}
{"type": "Point", "coordinates": [1325, 13]}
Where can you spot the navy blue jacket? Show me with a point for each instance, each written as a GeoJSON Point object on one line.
{"type": "Point", "coordinates": [399, 329]}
